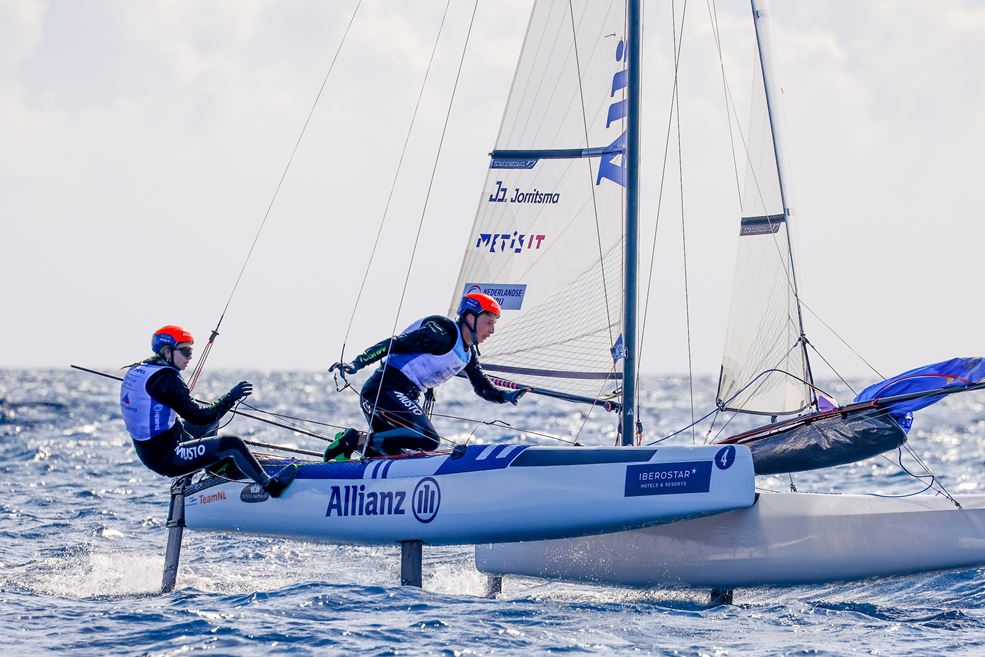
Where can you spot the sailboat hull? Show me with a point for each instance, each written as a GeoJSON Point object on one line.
{"type": "Point", "coordinates": [483, 494]}
{"type": "Point", "coordinates": [783, 539]}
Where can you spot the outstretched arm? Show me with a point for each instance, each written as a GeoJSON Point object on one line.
{"type": "Point", "coordinates": [167, 387]}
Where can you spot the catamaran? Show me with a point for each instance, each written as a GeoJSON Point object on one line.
{"type": "Point", "coordinates": [784, 538]}
{"type": "Point", "coordinates": [555, 242]}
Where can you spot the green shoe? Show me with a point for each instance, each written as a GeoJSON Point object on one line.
{"type": "Point", "coordinates": [278, 483]}
{"type": "Point", "coordinates": [343, 446]}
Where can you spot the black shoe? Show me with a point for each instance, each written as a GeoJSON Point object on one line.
{"type": "Point", "coordinates": [344, 445]}
{"type": "Point", "coordinates": [278, 483]}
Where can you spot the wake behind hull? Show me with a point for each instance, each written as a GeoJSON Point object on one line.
{"type": "Point", "coordinates": [485, 494]}
{"type": "Point", "coordinates": [784, 539]}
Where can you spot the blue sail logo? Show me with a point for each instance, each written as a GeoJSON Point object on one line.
{"type": "Point", "coordinates": [609, 168]}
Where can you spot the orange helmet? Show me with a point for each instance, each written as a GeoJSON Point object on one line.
{"type": "Point", "coordinates": [478, 303]}
{"type": "Point", "coordinates": [169, 336]}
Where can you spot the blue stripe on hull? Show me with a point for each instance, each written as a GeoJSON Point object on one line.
{"type": "Point", "coordinates": [481, 457]}
{"type": "Point", "coordinates": [539, 458]}
{"type": "Point", "coordinates": [476, 458]}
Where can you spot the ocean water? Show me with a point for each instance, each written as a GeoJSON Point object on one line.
{"type": "Point", "coordinates": [82, 541]}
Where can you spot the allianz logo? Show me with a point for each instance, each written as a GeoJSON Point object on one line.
{"type": "Point", "coordinates": [354, 500]}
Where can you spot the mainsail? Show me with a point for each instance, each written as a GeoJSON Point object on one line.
{"type": "Point", "coordinates": [765, 367]}
{"type": "Point", "coordinates": [547, 237]}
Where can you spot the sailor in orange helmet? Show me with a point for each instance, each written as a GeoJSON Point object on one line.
{"type": "Point", "coordinates": [429, 352]}
{"type": "Point", "coordinates": [154, 395]}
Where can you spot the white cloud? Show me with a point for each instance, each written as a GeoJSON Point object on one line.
{"type": "Point", "coordinates": [21, 25]}
{"type": "Point", "coordinates": [128, 121]}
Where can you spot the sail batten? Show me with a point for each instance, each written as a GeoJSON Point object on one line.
{"type": "Point", "coordinates": [559, 153]}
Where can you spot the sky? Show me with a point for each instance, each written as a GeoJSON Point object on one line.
{"type": "Point", "coordinates": [141, 144]}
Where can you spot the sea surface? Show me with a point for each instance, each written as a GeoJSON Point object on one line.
{"type": "Point", "coordinates": [82, 546]}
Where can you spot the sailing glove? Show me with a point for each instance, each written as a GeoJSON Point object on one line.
{"type": "Point", "coordinates": [514, 396]}
{"type": "Point", "coordinates": [348, 368]}
{"type": "Point", "coordinates": [241, 390]}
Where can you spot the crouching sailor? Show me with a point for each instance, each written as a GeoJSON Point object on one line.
{"type": "Point", "coordinates": [154, 395]}
{"type": "Point", "coordinates": [428, 353]}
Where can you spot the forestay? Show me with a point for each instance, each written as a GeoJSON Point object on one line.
{"type": "Point", "coordinates": [547, 237]}
{"type": "Point", "coordinates": [765, 367]}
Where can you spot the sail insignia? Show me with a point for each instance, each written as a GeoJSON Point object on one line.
{"type": "Point", "coordinates": [761, 225]}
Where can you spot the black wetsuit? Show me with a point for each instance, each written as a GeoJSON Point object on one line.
{"type": "Point", "coordinates": [175, 451]}
{"type": "Point", "coordinates": [399, 422]}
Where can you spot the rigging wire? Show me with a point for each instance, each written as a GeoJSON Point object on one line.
{"type": "Point", "coordinates": [831, 367]}
{"type": "Point", "coordinates": [762, 375]}
{"type": "Point", "coordinates": [713, 15]}
{"type": "Point", "coordinates": [843, 341]}
{"type": "Point", "coordinates": [660, 195]}
{"type": "Point", "coordinates": [215, 332]}
{"type": "Point", "coordinates": [934, 481]}
{"type": "Point", "coordinates": [927, 469]}
{"type": "Point", "coordinates": [680, 172]}
{"type": "Point", "coordinates": [591, 174]}
{"type": "Point", "coordinates": [730, 110]}
{"type": "Point", "coordinates": [786, 261]}
{"type": "Point", "coordinates": [674, 107]}
{"type": "Point", "coordinates": [592, 407]}
{"type": "Point", "coordinates": [500, 423]}
{"type": "Point", "coordinates": [427, 198]}
{"type": "Point", "coordinates": [396, 176]}
{"type": "Point", "coordinates": [296, 422]}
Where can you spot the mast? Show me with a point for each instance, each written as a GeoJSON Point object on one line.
{"type": "Point", "coordinates": [761, 26]}
{"type": "Point", "coordinates": [634, 38]}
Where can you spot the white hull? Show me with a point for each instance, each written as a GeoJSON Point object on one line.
{"type": "Point", "coordinates": [489, 494]}
{"type": "Point", "coordinates": [784, 539]}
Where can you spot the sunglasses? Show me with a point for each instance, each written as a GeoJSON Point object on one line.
{"type": "Point", "coordinates": [185, 351]}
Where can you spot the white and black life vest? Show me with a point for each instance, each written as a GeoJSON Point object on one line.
{"type": "Point", "coordinates": [428, 370]}
{"type": "Point", "coordinates": [144, 416]}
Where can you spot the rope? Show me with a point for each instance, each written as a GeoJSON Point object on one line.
{"type": "Point", "coordinates": [293, 420]}
{"type": "Point", "coordinates": [787, 261]}
{"type": "Point", "coordinates": [501, 423]}
{"type": "Point", "coordinates": [591, 174]}
{"type": "Point", "coordinates": [678, 48]}
{"type": "Point", "coordinates": [393, 185]}
{"type": "Point", "coordinates": [713, 14]}
{"type": "Point", "coordinates": [591, 408]}
{"type": "Point", "coordinates": [831, 367]}
{"type": "Point", "coordinates": [934, 482]}
{"type": "Point", "coordinates": [843, 341]}
{"type": "Point", "coordinates": [215, 332]}
{"type": "Point", "coordinates": [683, 429]}
{"type": "Point", "coordinates": [427, 198]}
{"type": "Point", "coordinates": [680, 171]}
